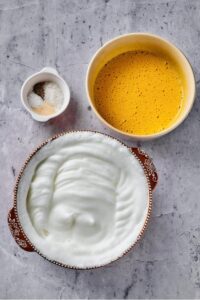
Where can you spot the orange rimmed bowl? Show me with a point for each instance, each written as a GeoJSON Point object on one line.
{"type": "Point", "coordinates": [16, 227]}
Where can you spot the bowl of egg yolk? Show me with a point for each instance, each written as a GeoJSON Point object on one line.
{"type": "Point", "coordinates": [140, 85]}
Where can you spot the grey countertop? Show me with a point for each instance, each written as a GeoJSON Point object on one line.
{"type": "Point", "coordinates": [65, 34]}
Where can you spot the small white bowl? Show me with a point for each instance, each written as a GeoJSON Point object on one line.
{"type": "Point", "coordinates": [46, 74]}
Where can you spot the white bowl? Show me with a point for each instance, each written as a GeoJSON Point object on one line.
{"type": "Point", "coordinates": [46, 74]}
{"type": "Point", "coordinates": [19, 221]}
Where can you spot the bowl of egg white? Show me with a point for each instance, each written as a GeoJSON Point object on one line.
{"type": "Point", "coordinates": [82, 199]}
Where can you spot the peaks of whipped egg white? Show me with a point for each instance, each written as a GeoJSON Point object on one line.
{"type": "Point", "coordinates": [87, 201]}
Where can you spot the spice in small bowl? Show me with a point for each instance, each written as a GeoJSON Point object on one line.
{"type": "Point", "coordinates": [45, 94]}
{"type": "Point", "coordinates": [46, 98]}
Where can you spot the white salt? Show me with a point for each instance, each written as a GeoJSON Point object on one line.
{"type": "Point", "coordinates": [53, 94]}
{"type": "Point", "coordinates": [34, 100]}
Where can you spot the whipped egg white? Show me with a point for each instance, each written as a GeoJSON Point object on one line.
{"type": "Point", "coordinates": [87, 200]}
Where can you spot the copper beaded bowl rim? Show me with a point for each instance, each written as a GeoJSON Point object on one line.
{"type": "Point", "coordinates": [19, 177]}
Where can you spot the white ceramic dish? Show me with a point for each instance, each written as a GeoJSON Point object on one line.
{"type": "Point", "coordinates": [126, 43]}
{"type": "Point", "coordinates": [141, 181]}
{"type": "Point", "coordinates": [46, 74]}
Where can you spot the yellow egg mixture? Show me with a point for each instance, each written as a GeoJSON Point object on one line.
{"type": "Point", "coordinates": [139, 92]}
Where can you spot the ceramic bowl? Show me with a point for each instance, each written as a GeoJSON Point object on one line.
{"type": "Point", "coordinates": [46, 74]}
{"type": "Point", "coordinates": [22, 185]}
{"type": "Point", "coordinates": [135, 41]}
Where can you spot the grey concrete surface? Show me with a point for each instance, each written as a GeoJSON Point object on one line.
{"type": "Point", "coordinates": [65, 34]}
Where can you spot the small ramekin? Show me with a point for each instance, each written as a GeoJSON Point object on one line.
{"type": "Point", "coordinates": [46, 74]}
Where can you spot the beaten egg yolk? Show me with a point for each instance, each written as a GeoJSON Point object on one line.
{"type": "Point", "coordinates": [139, 92]}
